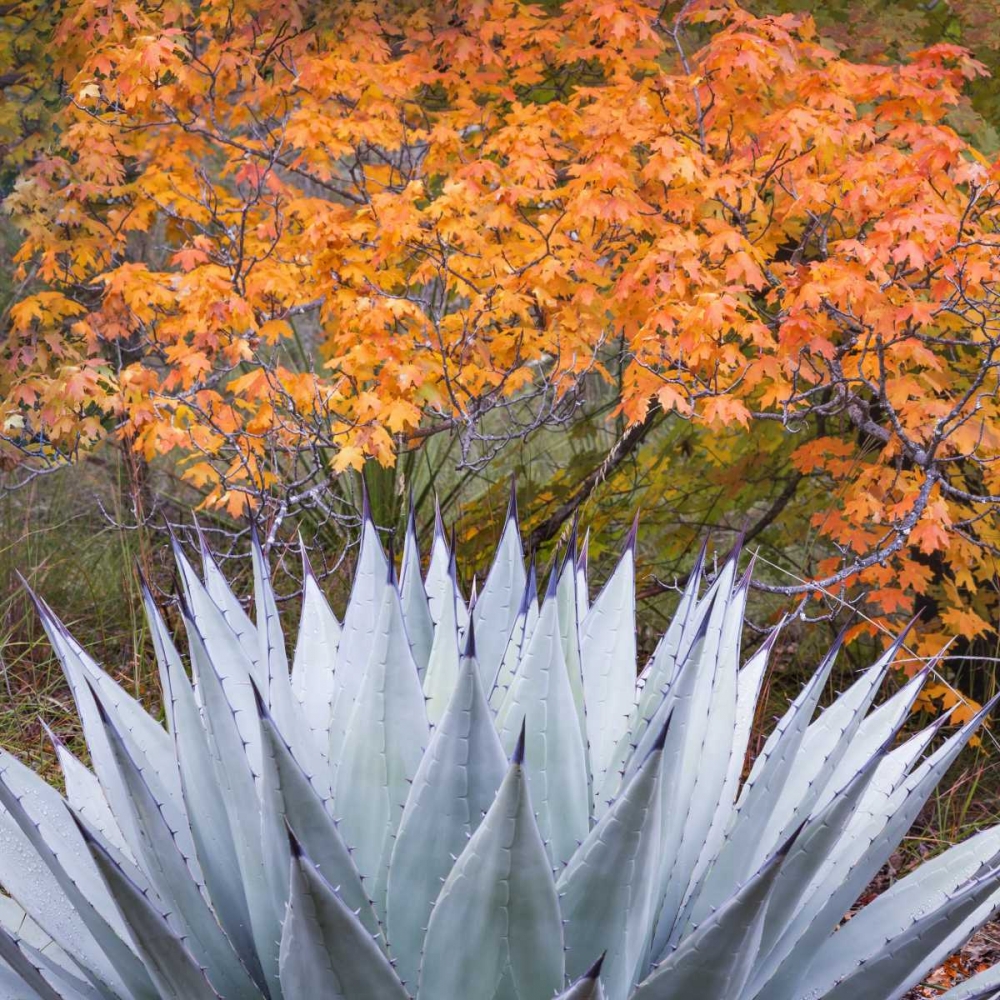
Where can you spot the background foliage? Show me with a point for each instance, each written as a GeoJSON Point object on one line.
{"type": "Point", "coordinates": [735, 266]}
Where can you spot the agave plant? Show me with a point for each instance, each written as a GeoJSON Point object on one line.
{"type": "Point", "coordinates": [475, 803]}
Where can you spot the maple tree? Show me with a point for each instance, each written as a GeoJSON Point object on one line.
{"type": "Point", "coordinates": [887, 30]}
{"type": "Point", "coordinates": [276, 240]}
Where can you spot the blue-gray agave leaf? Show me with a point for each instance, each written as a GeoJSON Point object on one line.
{"type": "Point", "coordinates": [326, 953]}
{"type": "Point", "coordinates": [382, 749]}
{"type": "Point", "coordinates": [496, 607]}
{"type": "Point", "coordinates": [607, 647]}
{"type": "Point", "coordinates": [416, 610]}
{"type": "Point", "coordinates": [496, 930]}
{"type": "Point", "coordinates": [452, 791]}
{"type": "Point", "coordinates": [315, 656]}
{"type": "Point", "coordinates": [556, 756]}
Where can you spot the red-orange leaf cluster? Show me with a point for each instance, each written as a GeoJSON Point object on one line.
{"type": "Point", "coordinates": [283, 228]}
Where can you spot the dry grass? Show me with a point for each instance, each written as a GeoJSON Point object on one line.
{"type": "Point", "coordinates": [53, 534]}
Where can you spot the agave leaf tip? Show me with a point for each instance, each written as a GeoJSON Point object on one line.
{"type": "Point", "coordinates": [439, 529]}
{"type": "Point", "coordinates": [661, 739]}
{"type": "Point", "coordinates": [553, 585]}
{"type": "Point", "coordinates": [258, 699]}
{"type": "Point", "coordinates": [512, 501]}
{"type": "Point", "coordinates": [470, 640]}
{"type": "Point", "coordinates": [633, 534]}
{"type": "Point", "coordinates": [582, 557]}
{"type": "Point", "coordinates": [390, 575]}
{"type": "Point", "coordinates": [747, 576]}
{"type": "Point", "coordinates": [411, 518]}
{"type": "Point", "coordinates": [573, 540]}
{"type": "Point", "coordinates": [453, 561]}
{"type": "Point", "coordinates": [294, 846]}
{"type": "Point", "coordinates": [307, 569]}
{"type": "Point", "coordinates": [366, 507]}
{"type": "Point", "coordinates": [54, 739]}
{"type": "Point", "coordinates": [518, 756]}
{"type": "Point", "coordinates": [102, 712]}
